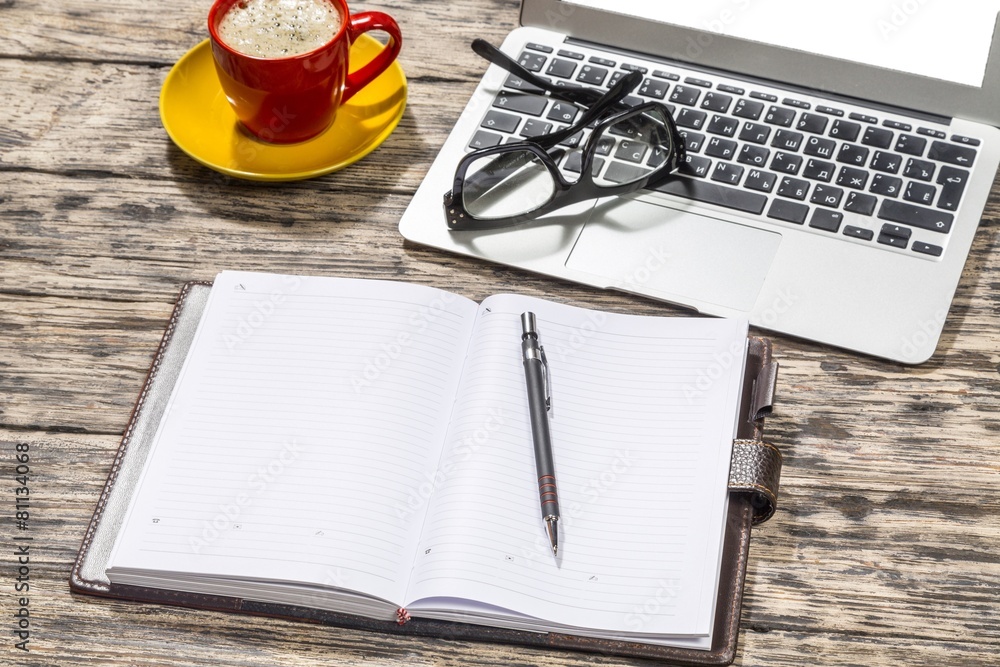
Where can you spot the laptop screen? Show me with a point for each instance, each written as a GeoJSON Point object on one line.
{"type": "Point", "coordinates": [942, 40]}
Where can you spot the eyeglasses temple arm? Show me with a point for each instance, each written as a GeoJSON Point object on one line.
{"type": "Point", "coordinates": [576, 95]}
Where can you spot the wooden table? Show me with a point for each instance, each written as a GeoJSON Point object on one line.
{"type": "Point", "coordinates": [885, 547]}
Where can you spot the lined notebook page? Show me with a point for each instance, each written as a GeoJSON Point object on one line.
{"type": "Point", "coordinates": [303, 436]}
{"type": "Point", "coordinates": [642, 422]}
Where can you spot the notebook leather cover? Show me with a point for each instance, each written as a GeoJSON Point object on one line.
{"type": "Point", "coordinates": [753, 484]}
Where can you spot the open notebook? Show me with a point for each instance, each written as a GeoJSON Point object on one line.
{"type": "Point", "coordinates": [363, 448]}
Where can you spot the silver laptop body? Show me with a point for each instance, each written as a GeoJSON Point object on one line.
{"type": "Point", "coordinates": [879, 281]}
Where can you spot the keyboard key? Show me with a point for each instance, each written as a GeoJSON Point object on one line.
{"type": "Point", "coordinates": [788, 211]}
{"type": "Point", "coordinates": [846, 130]}
{"type": "Point", "coordinates": [614, 79]}
{"type": "Point", "coordinates": [723, 148]}
{"type": "Point", "coordinates": [605, 146]}
{"type": "Point", "coordinates": [517, 83]}
{"type": "Point", "coordinates": [894, 241]}
{"type": "Point", "coordinates": [657, 155]}
{"type": "Point", "coordinates": [860, 204]}
{"type": "Point", "coordinates": [669, 76]}
{"type": "Point", "coordinates": [819, 170]}
{"type": "Point", "coordinates": [759, 180]}
{"type": "Point", "coordinates": [562, 112]}
{"type": "Point", "coordinates": [859, 233]}
{"type": "Point", "coordinates": [574, 163]}
{"type": "Point", "coordinates": [916, 216]}
{"type": "Point", "coordinates": [538, 47]}
{"type": "Point", "coordinates": [830, 111]}
{"type": "Point", "coordinates": [603, 62]}
{"type": "Point", "coordinates": [793, 188]}
{"type": "Point", "coordinates": [896, 125]}
{"type": "Point", "coordinates": [968, 141]}
{"type": "Point", "coordinates": [827, 195]}
{"type": "Point", "coordinates": [927, 248]}
{"type": "Point", "coordinates": [887, 162]}
{"type": "Point", "coordinates": [828, 221]}
{"type": "Point", "coordinates": [787, 140]}
{"type": "Point", "coordinates": [863, 118]}
{"type": "Point", "coordinates": [898, 231]}
{"type": "Point", "coordinates": [755, 133]}
{"type": "Point", "coordinates": [633, 101]}
{"type": "Point", "coordinates": [501, 122]}
{"type": "Point", "coordinates": [919, 169]}
{"type": "Point", "coordinates": [573, 140]}
{"type": "Point", "coordinates": [920, 193]}
{"type": "Point", "coordinates": [535, 128]}
{"type": "Point", "coordinates": [727, 172]}
{"type": "Point", "coordinates": [723, 125]}
{"type": "Point", "coordinates": [786, 163]}
{"type": "Point", "coordinates": [953, 183]}
{"type": "Point", "coordinates": [755, 156]}
{"type": "Point", "coordinates": [963, 156]}
{"type": "Point", "coordinates": [888, 186]}
{"type": "Point", "coordinates": [698, 82]}
{"type": "Point", "coordinates": [820, 147]}
{"type": "Point", "coordinates": [850, 177]}
{"type": "Point", "coordinates": [927, 132]}
{"type": "Point", "coordinates": [691, 118]}
{"type": "Point", "coordinates": [695, 166]}
{"type": "Point", "coordinates": [483, 139]}
{"type": "Point", "coordinates": [571, 54]}
{"type": "Point", "coordinates": [716, 102]}
{"type": "Point", "coordinates": [632, 151]}
{"type": "Point", "coordinates": [877, 137]}
{"type": "Point", "coordinates": [653, 88]}
{"type": "Point", "coordinates": [532, 105]}
{"type": "Point", "coordinates": [619, 172]}
{"type": "Point", "coordinates": [712, 193]}
{"type": "Point", "coordinates": [748, 109]}
{"type": "Point", "coordinates": [779, 116]}
{"type": "Point", "coordinates": [851, 154]}
{"type": "Point", "coordinates": [629, 67]}
{"type": "Point", "coordinates": [811, 122]}
{"type": "Point", "coordinates": [799, 104]}
{"type": "Point", "coordinates": [561, 68]}
{"type": "Point", "coordinates": [911, 144]}
{"type": "Point", "coordinates": [764, 96]}
{"type": "Point", "coordinates": [532, 62]}
{"type": "Point", "coordinates": [685, 95]}
{"type": "Point", "coordinates": [692, 141]}
{"type": "Point", "coordinates": [729, 89]}
{"type": "Point", "coordinates": [592, 75]}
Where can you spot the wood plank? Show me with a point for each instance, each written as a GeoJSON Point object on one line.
{"type": "Point", "coordinates": [127, 31]}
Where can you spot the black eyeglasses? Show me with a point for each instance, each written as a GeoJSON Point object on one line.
{"type": "Point", "coordinates": [610, 149]}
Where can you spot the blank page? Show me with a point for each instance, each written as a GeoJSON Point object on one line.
{"type": "Point", "coordinates": [643, 417]}
{"type": "Point", "coordinates": [303, 435]}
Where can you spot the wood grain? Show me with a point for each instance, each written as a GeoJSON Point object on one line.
{"type": "Point", "coordinates": [884, 548]}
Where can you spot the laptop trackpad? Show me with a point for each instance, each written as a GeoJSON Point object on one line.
{"type": "Point", "coordinates": [680, 257]}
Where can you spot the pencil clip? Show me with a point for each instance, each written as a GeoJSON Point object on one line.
{"type": "Point", "coordinates": [546, 379]}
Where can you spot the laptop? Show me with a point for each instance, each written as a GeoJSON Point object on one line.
{"type": "Point", "coordinates": [822, 197]}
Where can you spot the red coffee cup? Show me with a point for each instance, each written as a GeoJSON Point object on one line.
{"type": "Point", "coordinates": [291, 99]}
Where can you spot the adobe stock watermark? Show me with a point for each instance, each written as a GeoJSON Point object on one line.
{"type": "Point", "coordinates": [723, 361]}
{"type": "Point", "coordinates": [590, 491]}
{"type": "Point", "coordinates": [467, 448]}
{"type": "Point", "coordinates": [695, 47]}
{"type": "Point", "coordinates": [373, 367]}
{"type": "Point", "coordinates": [262, 311]}
{"type": "Point", "coordinates": [662, 598]}
{"type": "Point", "coordinates": [654, 261]}
{"type": "Point", "coordinates": [928, 331]}
{"type": "Point", "coordinates": [229, 514]}
{"type": "Point", "coordinates": [899, 15]}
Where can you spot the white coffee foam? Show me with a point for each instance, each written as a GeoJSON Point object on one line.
{"type": "Point", "coordinates": [279, 28]}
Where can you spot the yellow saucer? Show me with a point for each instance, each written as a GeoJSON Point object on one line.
{"type": "Point", "coordinates": [198, 118]}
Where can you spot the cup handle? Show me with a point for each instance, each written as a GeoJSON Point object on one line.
{"type": "Point", "coordinates": [363, 22]}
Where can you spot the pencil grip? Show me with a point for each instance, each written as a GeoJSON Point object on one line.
{"type": "Point", "coordinates": [547, 494]}
{"type": "Point", "coordinates": [534, 371]}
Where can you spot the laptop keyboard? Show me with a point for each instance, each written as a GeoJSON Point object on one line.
{"type": "Point", "coordinates": [830, 168]}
